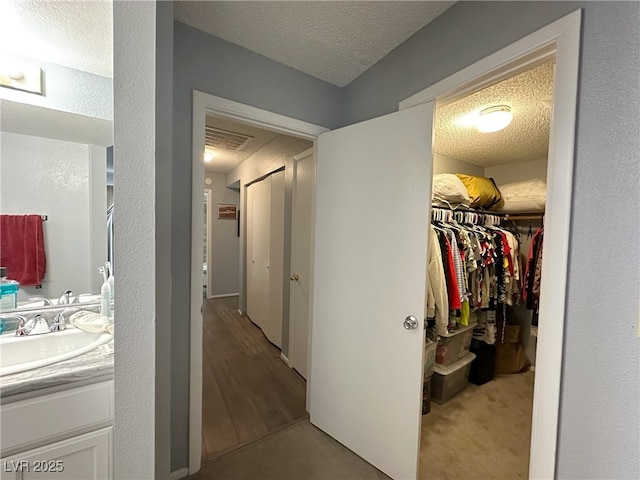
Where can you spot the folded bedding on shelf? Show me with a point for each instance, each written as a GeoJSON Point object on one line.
{"type": "Point", "coordinates": [524, 196]}
{"type": "Point", "coordinates": [448, 190]}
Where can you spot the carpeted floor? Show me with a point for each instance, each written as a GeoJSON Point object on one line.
{"type": "Point", "coordinates": [481, 434]}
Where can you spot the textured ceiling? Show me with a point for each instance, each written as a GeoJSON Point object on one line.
{"type": "Point", "coordinates": [332, 41]}
{"type": "Point", "coordinates": [225, 160]}
{"type": "Point", "coordinates": [526, 138]}
{"type": "Point", "coordinates": [75, 34]}
{"type": "Point", "coordinates": [266, 143]}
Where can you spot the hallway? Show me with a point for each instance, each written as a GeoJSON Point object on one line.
{"type": "Point", "coordinates": [248, 392]}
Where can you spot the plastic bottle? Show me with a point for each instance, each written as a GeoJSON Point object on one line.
{"type": "Point", "coordinates": [105, 295]}
{"type": "Point", "coordinates": [8, 291]}
{"type": "Point", "coordinates": [111, 281]}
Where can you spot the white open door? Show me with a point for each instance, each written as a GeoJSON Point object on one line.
{"type": "Point", "coordinates": [373, 192]}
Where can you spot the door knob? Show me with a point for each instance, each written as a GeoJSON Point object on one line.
{"type": "Point", "coordinates": [410, 322]}
{"type": "Point", "coordinates": [294, 278]}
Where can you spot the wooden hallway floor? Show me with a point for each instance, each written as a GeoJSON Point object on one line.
{"type": "Point", "coordinates": [248, 392]}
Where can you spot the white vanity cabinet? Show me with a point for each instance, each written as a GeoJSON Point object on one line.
{"type": "Point", "coordinates": [65, 435]}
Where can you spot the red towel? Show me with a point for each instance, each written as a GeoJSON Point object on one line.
{"type": "Point", "coordinates": [22, 248]}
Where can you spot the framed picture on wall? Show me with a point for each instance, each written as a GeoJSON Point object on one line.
{"type": "Point", "coordinates": [227, 211]}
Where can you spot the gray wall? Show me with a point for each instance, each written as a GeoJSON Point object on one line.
{"type": "Point", "coordinates": [225, 243]}
{"type": "Point", "coordinates": [211, 65]}
{"type": "Point", "coordinates": [599, 414]}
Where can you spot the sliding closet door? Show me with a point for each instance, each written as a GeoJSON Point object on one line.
{"type": "Point", "coordinates": [265, 254]}
{"type": "Point", "coordinates": [258, 266]}
{"type": "Point", "coordinates": [249, 267]}
{"type": "Point", "coordinates": [273, 328]}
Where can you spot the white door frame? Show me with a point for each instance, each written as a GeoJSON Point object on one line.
{"type": "Point", "coordinates": [560, 39]}
{"type": "Point", "coordinates": [208, 192]}
{"type": "Point", "coordinates": [205, 104]}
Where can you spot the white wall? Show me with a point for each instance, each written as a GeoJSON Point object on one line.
{"type": "Point", "coordinates": [53, 177]}
{"type": "Point", "coordinates": [142, 34]}
{"type": "Point", "coordinates": [224, 272]}
{"type": "Point", "coordinates": [444, 164]}
{"type": "Point", "coordinates": [517, 172]}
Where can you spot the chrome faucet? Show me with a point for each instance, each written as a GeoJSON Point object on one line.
{"type": "Point", "coordinates": [34, 326]}
{"type": "Point", "coordinates": [45, 301]}
{"type": "Point", "coordinates": [67, 297]}
{"type": "Point", "coordinates": [59, 324]}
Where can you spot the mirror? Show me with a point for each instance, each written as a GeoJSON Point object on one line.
{"type": "Point", "coordinates": [57, 124]}
{"type": "Point", "coordinates": [62, 176]}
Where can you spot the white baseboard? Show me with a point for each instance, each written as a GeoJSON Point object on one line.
{"type": "Point", "coordinates": [224, 295]}
{"type": "Point", "coordinates": [178, 474]}
{"type": "Point", "coordinates": [284, 358]}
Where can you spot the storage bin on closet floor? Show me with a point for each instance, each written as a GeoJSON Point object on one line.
{"type": "Point", "coordinates": [429, 357]}
{"type": "Point", "coordinates": [454, 346]}
{"type": "Point", "coordinates": [484, 365]}
{"type": "Point", "coordinates": [426, 395]}
{"type": "Point", "coordinates": [449, 381]}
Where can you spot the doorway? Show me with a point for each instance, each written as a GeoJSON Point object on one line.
{"type": "Point", "coordinates": [248, 390]}
{"type": "Point", "coordinates": [482, 394]}
{"type": "Point", "coordinates": [562, 39]}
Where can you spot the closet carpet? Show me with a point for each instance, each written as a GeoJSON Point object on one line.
{"type": "Point", "coordinates": [482, 433]}
{"type": "Point", "coordinates": [248, 392]}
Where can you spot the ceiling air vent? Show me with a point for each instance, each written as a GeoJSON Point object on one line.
{"type": "Point", "coordinates": [224, 140]}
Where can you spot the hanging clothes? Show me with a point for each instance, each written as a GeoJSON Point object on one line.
{"type": "Point", "coordinates": [437, 306]}
{"type": "Point", "coordinates": [533, 272]}
{"type": "Point", "coordinates": [480, 267]}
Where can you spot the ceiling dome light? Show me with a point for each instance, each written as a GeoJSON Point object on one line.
{"type": "Point", "coordinates": [208, 156]}
{"type": "Point", "coordinates": [494, 118]}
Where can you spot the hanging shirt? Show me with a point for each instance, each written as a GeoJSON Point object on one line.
{"type": "Point", "coordinates": [437, 301]}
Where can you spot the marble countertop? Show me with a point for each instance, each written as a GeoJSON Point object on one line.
{"type": "Point", "coordinates": [96, 364]}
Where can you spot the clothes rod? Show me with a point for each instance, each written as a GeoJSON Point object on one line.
{"type": "Point", "coordinates": [522, 216]}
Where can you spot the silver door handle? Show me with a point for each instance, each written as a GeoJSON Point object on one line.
{"type": "Point", "coordinates": [410, 322]}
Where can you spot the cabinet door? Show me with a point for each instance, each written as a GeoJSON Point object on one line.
{"type": "Point", "coordinates": [85, 457]}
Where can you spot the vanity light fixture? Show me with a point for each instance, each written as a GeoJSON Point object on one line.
{"type": "Point", "coordinates": [494, 118]}
{"type": "Point", "coordinates": [20, 76]}
{"type": "Point", "coordinates": [209, 155]}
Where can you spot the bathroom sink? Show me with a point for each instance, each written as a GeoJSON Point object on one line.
{"type": "Point", "coordinates": [18, 354]}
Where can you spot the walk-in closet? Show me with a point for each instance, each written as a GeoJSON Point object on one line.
{"type": "Point", "coordinates": [484, 274]}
